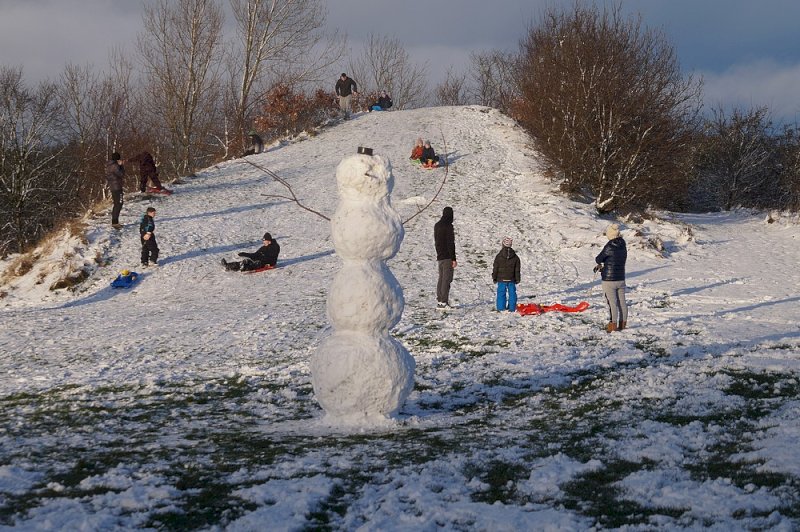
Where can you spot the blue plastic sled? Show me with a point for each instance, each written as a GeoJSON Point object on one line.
{"type": "Point", "coordinates": [125, 281]}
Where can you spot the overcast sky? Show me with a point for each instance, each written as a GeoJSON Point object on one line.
{"type": "Point", "coordinates": [747, 51]}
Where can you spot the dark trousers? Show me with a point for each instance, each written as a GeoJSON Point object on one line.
{"type": "Point", "coordinates": [149, 250]}
{"type": "Point", "coordinates": [117, 197]}
{"type": "Point", "coordinates": [445, 278]}
{"type": "Point", "coordinates": [244, 265]}
{"type": "Point", "coordinates": [153, 179]}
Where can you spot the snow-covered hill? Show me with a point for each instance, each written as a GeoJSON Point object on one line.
{"type": "Point", "coordinates": [186, 402]}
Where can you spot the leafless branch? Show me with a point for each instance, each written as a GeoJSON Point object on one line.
{"type": "Point", "coordinates": [282, 181]}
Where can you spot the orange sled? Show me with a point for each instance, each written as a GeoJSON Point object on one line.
{"type": "Point", "coordinates": [532, 308]}
{"type": "Point", "coordinates": [261, 269]}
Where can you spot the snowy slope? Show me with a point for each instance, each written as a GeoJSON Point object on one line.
{"type": "Point", "coordinates": [138, 408]}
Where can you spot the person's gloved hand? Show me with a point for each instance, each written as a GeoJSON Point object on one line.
{"type": "Point", "coordinates": [597, 268]}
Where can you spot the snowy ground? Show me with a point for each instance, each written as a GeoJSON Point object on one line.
{"type": "Point", "coordinates": [186, 403]}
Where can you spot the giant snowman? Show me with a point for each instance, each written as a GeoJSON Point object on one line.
{"type": "Point", "coordinates": [360, 373]}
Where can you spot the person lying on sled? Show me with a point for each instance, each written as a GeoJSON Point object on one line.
{"type": "Point", "coordinates": [267, 255]}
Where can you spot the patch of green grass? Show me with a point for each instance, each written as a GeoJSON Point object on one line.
{"type": "Point", "coordinates": [594, 494]}
{"type": "Point", "coordinates": [501, 478]}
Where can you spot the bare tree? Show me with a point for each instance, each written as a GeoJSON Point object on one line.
{"type": "Point", "coordinates": [32, 183]}
{"type": "Point", "coordinates": [737, 160]}
{"type": "Point", "coordinates": [276, 40]}
{"type": "Point", "coordinates": [493, 79]}
{"type": "Point", "coordinates": [86, 100]}
{"type": "Point", "coordinates": [180, 52]}
{"type": "Point", "coordinates": [385, 65]}
{"type": "Point", "coordinates": [453, 90]}
{"type": "Point", "coordinates": [608, 106]}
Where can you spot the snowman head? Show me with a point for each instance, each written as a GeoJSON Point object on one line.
{"type": "Point", "coordinates": [364, 178]}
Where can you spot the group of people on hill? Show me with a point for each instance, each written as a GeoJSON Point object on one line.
{"type": "Point", "coordinates": [423, 153]}
{"type": "Point", "coordinates": [115, 179]}
{"type": "Point", "coordinates": [346, 88]}
{"type": "Point", "coordinates": [610, 262]}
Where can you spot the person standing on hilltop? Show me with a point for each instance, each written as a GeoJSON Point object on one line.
{"type": "Point", "coordinates": [345, 87]}
{"type": "Point", "coordinates": [115, 178]}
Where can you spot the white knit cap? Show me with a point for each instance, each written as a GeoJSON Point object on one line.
{"type": "Point", "coordinates": [612, 231]}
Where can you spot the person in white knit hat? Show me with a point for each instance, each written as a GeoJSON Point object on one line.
{"type": "Point", "coordinates": [611, 264]}
{"type": "Point", "coordinates": [505, 273]}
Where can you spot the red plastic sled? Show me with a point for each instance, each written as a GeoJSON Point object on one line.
{"type": "Point", "coordinates": [261, 269]}
{"type": "Point", "coordinates": [532, 308]}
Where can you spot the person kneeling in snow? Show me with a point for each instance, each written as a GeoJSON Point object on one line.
{"type": "Point", "coordinates": [267, 255]}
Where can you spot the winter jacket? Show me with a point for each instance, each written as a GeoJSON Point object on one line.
{"type": "Point", "coordinates": [416, 153]}
{"type": "Point", "coordinates": [147, 225]}
{"type": "Point", "coordinates": [506, 266]}
{"type": "Point", "coordinates": [147, 166]}
{"type": "Point", "coordinates": [115, 176]}
{"type": "Point", "coordinates": [444, 236]}
{"type": "Point", "coordinates": [613, 258]}
{"type": "Point", "coordinates": [384, 102]}
{"type": "Point", "coordinates": [265, 254]}
{"type": "Point", "coordinates": [346, 86]}
{"type": "Point", "coordinates": [428, 153]}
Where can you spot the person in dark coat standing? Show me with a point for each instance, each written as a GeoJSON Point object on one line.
{"type": "Point", "coordinates": [345, 87]}
{"type": "Point", "coordinates": [147, 228]}
{"type": "Point", "coordinates": [266, 255]}
{"type": "Point", "coordinates": [115, 178]}
{"type": "Point", "coordinates": [505, 273]}
{"type": "Point", "coordinates": [147, 171]}
{"type": "Point", "coordinates": [445, 242]}
{"type": "Point", "coordinates": [611, 264]}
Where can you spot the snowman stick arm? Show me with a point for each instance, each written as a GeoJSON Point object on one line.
{"type": "Point", "coordinates": [292, 196]}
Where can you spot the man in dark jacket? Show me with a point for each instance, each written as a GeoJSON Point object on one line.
{"type": "Point", "coordinates": [115, 177]}
{"type": "Point", "coordinates": [611, 264]}
{"type": "Point", "coordinates": [445, 242]}
{"type": "Point", "coordinates": [147, 171]}
{"type": "Point", "coordinates": [345, 87]}
{"type": "Point", "coordinates": [505, 273]}
{"type": "Point", "coordinates": [267, 255]}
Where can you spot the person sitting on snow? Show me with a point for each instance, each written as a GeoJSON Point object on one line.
{"type": "Point", "coordinates": [429, 157]}
{"type": "Point", "coordinates": [416, 153]}
{"type": "Point", "coordinates": [384, 102]}
{"type": "Point", "coordinates": [267, 255]}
